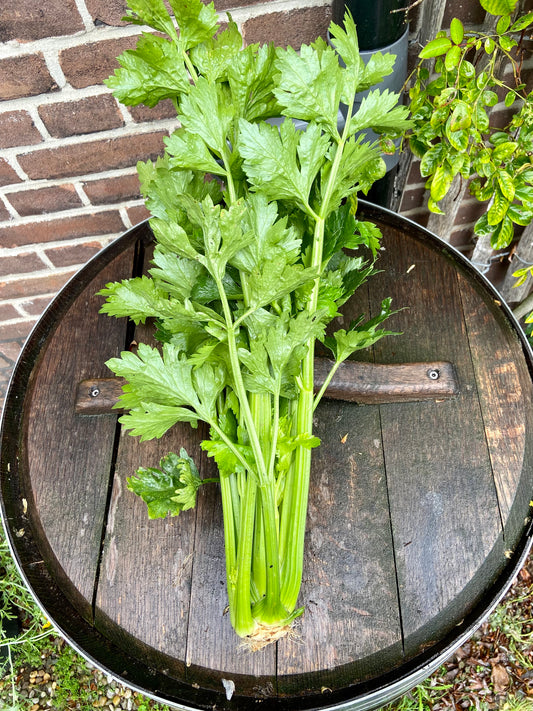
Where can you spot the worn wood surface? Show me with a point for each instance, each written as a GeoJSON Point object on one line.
{"type": "Point", "coordinates": [504, 386]}
{"type": "Point", "coordinates": [438, 469]}
{"type": "Point", "coordinates": [213, 650]}
{"type": "Point", "coordinates": [349, 586]}
{"type": "Point", "coordinates": [69, 461]}
{"type": "Point", "coordinates": [411, 505]}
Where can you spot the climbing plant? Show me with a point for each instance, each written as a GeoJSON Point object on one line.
{"type": "Point", "coordinates": [460, 76]}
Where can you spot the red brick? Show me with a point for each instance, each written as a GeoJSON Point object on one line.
{"type": "Point", "coordinates": [4, 214]}
{"type": "Point", "coordinates": [470, 211]}
{"type": "Point", "coordinates": [228, 4]}
{"type": "Point", "coordinates": [412, 199]}
{"type": "Point", "coordinates": [27, 20]}
{"type": "Point", "coordinates": [501, 117]}
{"type": "Point", "coordinates": [92, 157]}
{"type": "Point", "coordinates": [7, 175]}
{"type": "Point", "coordinates": [21, 264]}
{"type": "Point", "coordinates": [420, 217]}
{"type": "Point", "coordinates": [110, 190]}
{"type": "Point", "coordinates": [17, 129]}
{"type": "Point", "coordinates": [111, 12]}
{"type": "Point", "coordinates": [24, 76]}
{"type": "Point", "coordinates": [73, 254]}
{"type": "Point", "coordinates": [44, 200]}
{"type": "Point", "coordinates": [21, 288]}
{"type": "Point", "coordinates": [107, 12]}
{"type": "Point", "coordinates": [463, 239]}
{"type": "Point", "coordinates": [164, 110]}
{"type": "Point", "coordinates": [414, 173]}
{"type": "Point", "coordinates": [69, 118]}
{"type": "Point", "coordinates": [16, 330]}
{"type": "Point", "coordinates": [93, 62]}
{"type": "Point", "coordinates": [10, 349]}
{"type": "Point", "coordinates": [8, 312]}
{"type": "Point", "coordinates": [34, 307]}
{"type": "Point", "coordinates": [138, 214]}
{"type": "Point", "coordinates": [294, 27]}
{"type": "Point", "coordinates": [65, 228]}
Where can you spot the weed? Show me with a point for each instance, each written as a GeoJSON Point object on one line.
{"type": "Point", "coordinates": [514, 703]}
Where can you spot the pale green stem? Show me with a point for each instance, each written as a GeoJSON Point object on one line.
{"type": "Point", "coordinates": [244, 622]}
{"type": "Point", "coordinates": [327, 381]}
{"type": "Point", "coordinates": [293, 560]}
{"type": "Point", "coordinates": [230, 542]}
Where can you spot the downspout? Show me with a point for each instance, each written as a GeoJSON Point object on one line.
{"type": "Point", "coordinates": [381, 26]}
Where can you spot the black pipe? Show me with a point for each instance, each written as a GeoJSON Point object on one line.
{"type": "Point", "coordinates": [381, 24]}
{"type": "Point", "coordinates": [378, 21]}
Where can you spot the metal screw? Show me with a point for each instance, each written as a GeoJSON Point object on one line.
{"type": "Point", "coordinates": [433, 374]}
{"type": "Point", "coordinates": [94, 391]}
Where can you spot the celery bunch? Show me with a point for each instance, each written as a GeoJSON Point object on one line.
{"type": "Point", "coordinates": [248, 270]}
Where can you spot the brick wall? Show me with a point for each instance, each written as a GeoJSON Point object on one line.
{"type": "Point", "coordinates": [67, 149]}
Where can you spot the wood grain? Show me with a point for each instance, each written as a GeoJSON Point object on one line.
{"type": "Point", "coordinates": [505, 390]}
{"type": "Point", "coordinates": [68, 460]}
{"type": "Point", "coordinates": [349, 584]}
{"type": "Point", "coordinates": [443, 503]}
{"type": "Point", "coordinates": [144, 587]}
{"type": "Point", "coordinates": [214, 651]}
{"type": "Point", "coordinates": [407, 499]}
{"type": "Point", "coordinates": [143, 593]}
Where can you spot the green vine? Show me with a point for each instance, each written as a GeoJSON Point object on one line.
{"type": "Point", "coordinates": [452, 133]}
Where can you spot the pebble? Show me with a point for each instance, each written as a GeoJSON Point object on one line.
{"type": "Point", "coordinates": [37, 688]}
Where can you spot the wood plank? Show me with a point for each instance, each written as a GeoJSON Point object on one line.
{"type": "Point", "coordinates": [351, 621]}
{"type": "Point", "coordinates": [444, 509]}
{"type": "Point", "coordinates": [68, 457]}
{"type": "Point", "coordinates": [351, 628]}
{"type": "Point", "coordinates": [142, 600]}
{"type": "Point", "coordinates": [143, 591]}
{"type": "Point", "coordinates": [506, 393]}
{"type": "Point", "coordinates": [214, 651]}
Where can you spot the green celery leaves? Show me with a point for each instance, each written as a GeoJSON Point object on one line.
{"type": "Point", "coordinates": [171, 488]}
{"type": "Point", "coordinates": [252, 221]}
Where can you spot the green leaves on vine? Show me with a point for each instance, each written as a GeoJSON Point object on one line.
{"type": "Point", "coordinates": [452, 134]}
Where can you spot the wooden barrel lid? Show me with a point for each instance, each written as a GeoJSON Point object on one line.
{"type": "Point", "coordinates": [418, 517]}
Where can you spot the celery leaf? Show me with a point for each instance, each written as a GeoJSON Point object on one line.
{"type": "Point", "coordinates": [152, 13]}
{"type": "Point", "coordinates": [379, 110]}
{"type": "Point", "coordinates": [283, 163]}
{"type": "Point", "coordinates": [171, 488]}
{"type": "Point", "coordinates": [250, 77]}
{"type": "Point", "coordinates": [205, 111]}
{"type": "Point", "coordinates": [150, 73]}
{"type": "Point", "coordinates": [197, 22]}
{"type": "Point", "coordinates": [310, 85]}
{"type": "Point", "coordinates": [190, 151]}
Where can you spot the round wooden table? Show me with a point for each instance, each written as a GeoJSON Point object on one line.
{"type": "Point", "coordinates": [419, 513]}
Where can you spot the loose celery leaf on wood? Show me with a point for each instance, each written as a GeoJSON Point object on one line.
{"type": "Point", "coordinates": [169, 489]}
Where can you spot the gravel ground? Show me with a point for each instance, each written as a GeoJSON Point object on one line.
{"type": "Point", "coordinates": [39, 689]}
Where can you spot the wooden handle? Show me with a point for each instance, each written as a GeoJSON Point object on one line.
{"type": "Point", "coordinates": [365, 383]}
{"type": "Point", "coordinates": [375, 384]}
